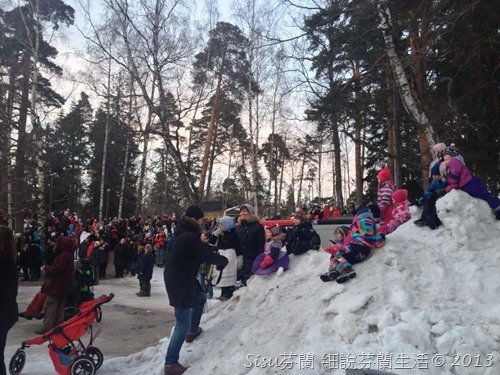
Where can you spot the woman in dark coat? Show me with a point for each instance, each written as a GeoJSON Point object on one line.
{"type": "Point", "coordinates": [252, 238]}
{"type": "Point", "coordinates": [57, 287]}
{"type": "Point", "coordinates": [8, 289]}
{"type": "Point", "coordinates": [146, 262]}
{"type": "Point", "coordinates": [182, 262]}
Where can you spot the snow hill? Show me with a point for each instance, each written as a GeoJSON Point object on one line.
{"type": "Point", "coordinates": [425, 303]}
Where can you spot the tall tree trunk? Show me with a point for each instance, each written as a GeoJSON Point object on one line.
{"type": "Point", "coordinates": [398, 178]}
{"type": "Point", "coordinates": [411, 103]}
{"type": "Point", "coordinates": [418, 53]}
{"type": "Point", "coordinates": [35, 122]}
{"type": "Point", "coordinates": [337, 160]}
{"type": "Point", "coordinates": [142, 173]}
{"type": "Point", "coordinates": [282, 172]}
{"type": "Point", "coordinates": [105, 145]}
{"type": "Point", "coordinates": [390, 119]}
{"type": "Point", "coordinates": [301, 179]}
{"type": "Point", "coordinates": [244, 173]}
{"type": "Point", "coordinates": [20, 187]}
{"type": "Point", "coordinates": [211, 166]}
{"type": "Point", "coordinates": [357, 135]}
{"type": "Point", "coordinates": [212, 126]}
{"type": "Point", "coordinates": [124, 178]}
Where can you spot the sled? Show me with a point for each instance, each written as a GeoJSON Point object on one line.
{"type": "Point", "coordinates": [282, 261]}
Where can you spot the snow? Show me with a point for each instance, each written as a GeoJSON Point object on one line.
{"type": "Point", "coordinates": [427, 298]}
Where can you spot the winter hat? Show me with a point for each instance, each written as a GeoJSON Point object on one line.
{"type": "Point", "coordinates": [375, 210]}
{"type": "Point", "coordinates": [452, 150]}
{"type": "Point", "coordinates": [343, 229]}
{"type": "Point", "coordinates": [300, 216]}
{"type": "Point", "coordinates": [435, 169]}
{"type": "Point", "coordinates": [438, 147]}
{"type": "Point", "coordinates": [400, 195]}
{"type": "Point", "coordinates": [249, 207]}
{"type": "Point", "coordinates": [227, 222]}
{"type": "Point", "coordinates": [364, 212]}
{"type": "Point", "coordinates": [274, 229]}
{"type": "Point", "coordinates": [194, 212]}
{"type": "Point", "coordinates": [384, 175]}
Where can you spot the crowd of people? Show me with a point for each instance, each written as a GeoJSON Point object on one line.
{"type": "Point", "coordinates": [197, 255]}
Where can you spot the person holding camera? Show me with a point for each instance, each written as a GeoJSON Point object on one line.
{"type": "Point", "coordinates": [185, 294]}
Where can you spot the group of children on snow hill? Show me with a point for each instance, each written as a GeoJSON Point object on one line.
{"type": "Point", "coordinates": [371, 224]}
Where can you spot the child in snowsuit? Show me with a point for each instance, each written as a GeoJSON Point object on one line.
{"type": "Point", "coordinates": [364, 237]}
{"type": "Point", "coordinates": [436, 186]}
{"type": "Point", "coordinates": [273, 245]}
{"type": "Point", "coordinates": [400, 212]}
{"type": "Point", "coordinates": [146, 265]}
{"type": "Point", "coordinates": [459, 177]}
{"type": "Point", "coordinates": [384, 194]}
{"type": "Point", "coordinates": [340, 238]}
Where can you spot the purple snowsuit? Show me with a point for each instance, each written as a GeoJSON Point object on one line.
{"type": "Point", "coordinates": [459, 177]}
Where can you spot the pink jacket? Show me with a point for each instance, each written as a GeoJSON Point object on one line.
{"type": "Point", "coordinates": [458, 173]}
{"type": "Point", "coordinates": [400, 215]}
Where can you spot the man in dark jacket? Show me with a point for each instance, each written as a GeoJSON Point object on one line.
{"type": "Point", "coordinates": [182, 262]}
{"type": "Point", "coordinates": [58, 284]}
{"type": "Point", "coordinates": [252, 238]}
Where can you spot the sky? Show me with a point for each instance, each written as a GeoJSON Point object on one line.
{"type": "Point", "coordinates": [424, 304]}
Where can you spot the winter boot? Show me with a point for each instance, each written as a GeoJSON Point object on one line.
{"type": "Point", "coordinates": [176, 369]}
{"type": "Point", "coordinates": [329, 276]}
{"type": "Point", "coordinates": [346, 274]}
{"type": "Point", "coordinates": [191, 336]}
{"type": "Point", "coordinates": [140, 294]}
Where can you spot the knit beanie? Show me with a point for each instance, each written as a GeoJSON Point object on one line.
{"type": "Point", "coordinates": [438, 147]}
{"type": "Point", "coordinates": [249, 207]}
{"type": "Point", "coordinates": [194, 212]}
{"type": "Point", "coordinates": [384, 175]}
{"type": "Point", "coordinates": [274, 229]}
{"type": "Point", "coordinates": [452, 150]}
{"type": "Point", "coordinates": [400, 195]}
{"type": "Point", "coordinates": [227, 222]}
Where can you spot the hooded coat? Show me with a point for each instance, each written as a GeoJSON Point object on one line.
{"type": "Point", "coordinates": [252, 237]}
{"type": "Point", "coordinates": [182, 262]}
{"type": "Point", "coordinates": [60, 273]}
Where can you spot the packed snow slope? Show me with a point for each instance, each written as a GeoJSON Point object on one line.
{"type": "Point", "coordinates": [425, 303]}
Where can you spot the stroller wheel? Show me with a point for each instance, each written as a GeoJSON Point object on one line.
{"type": "Point", "coordinates": [17, 362]}
{"type": "Point", "coordinates": [83, 365]}
{"type": "Point", "coordinates": [96, 355]}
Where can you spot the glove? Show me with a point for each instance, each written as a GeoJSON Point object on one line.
{"type": "Point", "coordinates": [266, 262]}
{"type": "Point", "coordinates": [448, 189]}
{"type": "Point", "coordinates": [239, 262]}
{"type": "Point", "coordinates": [217, 232]}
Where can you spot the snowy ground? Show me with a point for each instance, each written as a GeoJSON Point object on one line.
{"type": "Point", "coordinates": [425, 303]}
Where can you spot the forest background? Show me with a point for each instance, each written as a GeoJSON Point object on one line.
{"type": "Point", "coordinates": [276, 103]}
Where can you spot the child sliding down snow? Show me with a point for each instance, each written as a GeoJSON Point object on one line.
{"type": "Point", "coordinates": [364, 237]}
